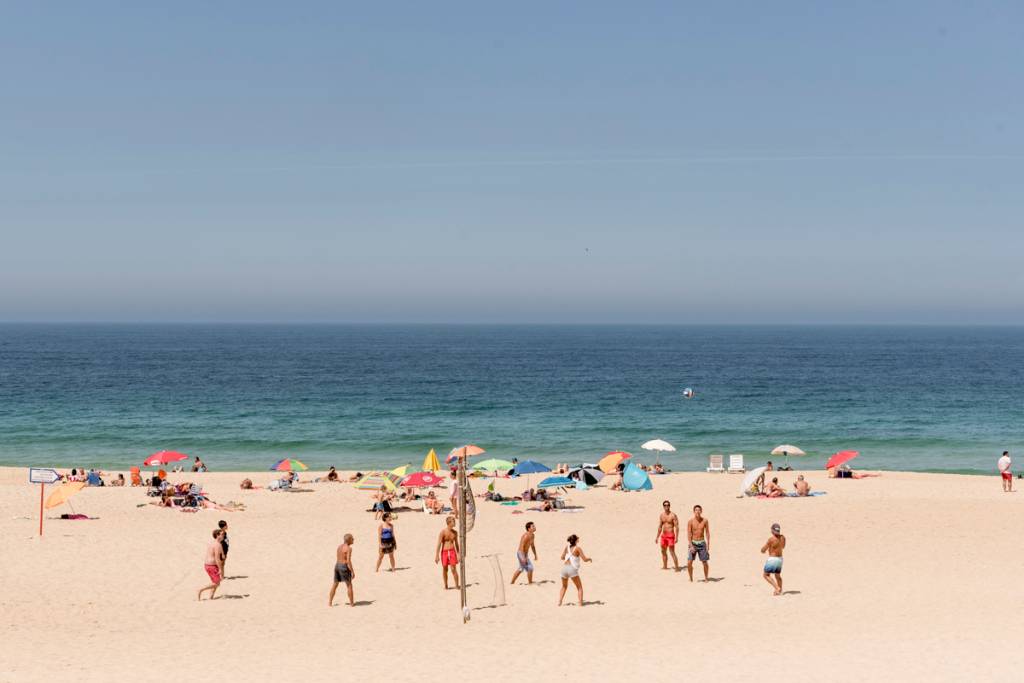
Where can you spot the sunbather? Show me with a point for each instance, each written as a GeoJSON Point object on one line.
{"type": "Point", "coordinates": [801, 486]}
{"type": "Point", "coordinates": [773, 490]}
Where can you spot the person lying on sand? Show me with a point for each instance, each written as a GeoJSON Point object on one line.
{"type": "Point", "coordinates": [356, 477]}
{"type": "Point", "coordinates": [847, 473]}
{"type": "Point", "coordinates": [332, 474]}
{"type": "Point", "coordinates": [801, 486]}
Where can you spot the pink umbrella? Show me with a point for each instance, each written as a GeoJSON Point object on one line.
{"type": "Point", "coordinates": [463, 452]}
{"type": "Point", "coordinates": [839, 458]}
{"type": "Point", "coordinates": [421, 479]}
{"type": "Point", "coordinates": [164, 457]}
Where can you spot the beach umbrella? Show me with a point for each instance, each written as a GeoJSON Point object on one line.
{"type": "Point", "coordinates": [421, 479]}
{"type": "Point", "coordinates": [588, 475]}
{"type": "Point", "coordinates": [493, 465]}
{"type": "Point", "coordinates": [63, 493]}
{"type": "Point", "coordinates": [431, 463]}
{"type": "Point", "coordinates": [610, 462]}
{"type": "Point", "coordinates": [401, 471]}
{"type": "Point", "coordinates": [751, 477]}
{"type": "Point", "coordinates": [288, 465]}
{"type": "Point", "coordinates": [163, 458]}
{"type": "Point", "coordinates": [555, 482]}
{"type": "Point", "coordinates": [530, 467]}
{"type": "Point", "coordinates": [467, 451]}
{"type": "Point", "coordinates": [787, 450]}
{"type": "Point", "coordinates": [839, 458]}
{"type": "Point", "coordinates": [372, 481]}
{"type": "Point", "coordinates": [659, 445]}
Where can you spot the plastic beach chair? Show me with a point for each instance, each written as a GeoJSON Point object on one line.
{"type": "Point", "coordinates": [736, 463]}
{"type": "Point", "coordinates": [716, 463]}
{"type": "Point", "coordinates": [136, 476]}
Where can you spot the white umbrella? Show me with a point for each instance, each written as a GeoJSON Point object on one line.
{"type": "Point", "coordinates": [659, 445]}
{"type": "Point", "coordinates": [751, 477]}
{"type": "Point", "coordinates": [787, 450]}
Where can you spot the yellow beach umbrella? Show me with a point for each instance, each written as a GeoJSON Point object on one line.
{"type": "Point", "coordinates": [431, 463]}
{"type": "Point", "coordinates": [64, 492]}
{"type": "Point", "coordinates": [401, 471]}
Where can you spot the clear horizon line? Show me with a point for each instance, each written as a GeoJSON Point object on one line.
{"type": "Point", "coordinates": [527, 323]}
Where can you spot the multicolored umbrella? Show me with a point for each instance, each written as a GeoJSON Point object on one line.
{"type": "Point", "coordinates": [63, 493]}
{"type": "Point", "coordinates": [421, 479]}
{"type": "Point", "coordinates": [372, 481]}
{"type": "Point", "coordinates": [401, 471]}
{"type": "Point", "coordinates": [163, 458]}
{"type": "Point", "coordinates": [841, 457]}
{"type": "Point", "coordinates": [610, 462]}
{"type": "Point", "coordinates": [288, 465]}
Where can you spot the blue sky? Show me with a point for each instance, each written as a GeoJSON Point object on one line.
{"type": "Point", "coordinates": [548, 162]}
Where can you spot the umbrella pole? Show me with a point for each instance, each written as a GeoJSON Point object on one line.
{"type": "Point", "coordinates": [462, 538]}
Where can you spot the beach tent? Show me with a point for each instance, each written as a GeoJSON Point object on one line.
{"type": "Point", "coordinates": [635, 479]}
{"type": "Point", "coordinates": [431, 463]}
{"type": "Point", "coordinates": [588, 475]}
{"type": "Point", "coordinates": [372, 481]}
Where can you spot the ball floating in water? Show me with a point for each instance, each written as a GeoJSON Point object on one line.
{"type": "Point", "coordinates": [687, 392]}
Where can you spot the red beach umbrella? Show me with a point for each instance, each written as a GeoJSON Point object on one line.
{"type": "Point", "coordinates": [421, 479]}
{"type": "Point", "coordinates": [164, 457]}
{"type": "Point", "coordinates": [839, 458]}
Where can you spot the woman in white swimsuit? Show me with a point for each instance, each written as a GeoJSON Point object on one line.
{"type": "Point", "coordinates": [572, 557]}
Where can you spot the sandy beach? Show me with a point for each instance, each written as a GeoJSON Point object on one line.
{"type": "Point", "coordinates": [886, 578]}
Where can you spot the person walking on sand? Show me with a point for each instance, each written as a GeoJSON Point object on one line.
{"type": "Point", "coordinates": [668, 532]}
{"type": "Point", "coordinates": [224, 544]}
{"type": "Point", "coordinates": [453, 493]}
{"type": "Point", "coordinates": [1005, 466]}
{"type": "Point", "coordinates": [213, 563]}
{"type": "Point", "coordinates": [388, 542]}
{"type": "Point", "coordinates": [698, 533]}
{"type": "Point", "coordinates": [526, 544]}
{"type": "Point", "coordinates": [344, 570]}
{"type": "Point", "coordinates": [447, 551]}
{"type": "Point", "coordinates": [773, 565]}
{"type": "Point", "coordinates": [572, 557]}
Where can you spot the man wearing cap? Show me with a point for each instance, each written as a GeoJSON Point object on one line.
{"type": "Point", "coordinates": [773, 565]}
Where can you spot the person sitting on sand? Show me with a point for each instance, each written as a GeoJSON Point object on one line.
{"type": "Point", "coordinates": [388, 542]}
{"type": "Point", "coordinates": [409, 494]}
{"type": "Point", "coordinates": [119, 481]}
{"type": "Point", "coordinates": [356, 477]}
{"type": "Point", "coordinates": [447, 551]}
{"type": "Point", "coordinates": [332, 474]}
{"type": "Point", "coordinates": [433, 504]}
{"type": "Point", "coordinates": [658, 468]}
{"type": "Point", "coordinates": [801, 486]}
{"type": "Point", "coordinates": [246, 484]}
{"type": "Point", "coordinates": [773, 490]}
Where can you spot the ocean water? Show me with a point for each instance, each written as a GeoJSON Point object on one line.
{"type": "Point", "coordinates": [914, 398]}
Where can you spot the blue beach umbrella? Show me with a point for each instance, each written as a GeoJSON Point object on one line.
{"type": "Point", "coordinates": [555, 482]}
{"type": "Point", "coordinates": [530, 467]}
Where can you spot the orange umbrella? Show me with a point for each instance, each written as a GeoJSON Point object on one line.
{"type": "Point", "coordinates": [63, 492]}
{"type": "Point", "coordinates": [466, 451]}
{"type": "Point", "coordinates": [610, 462]}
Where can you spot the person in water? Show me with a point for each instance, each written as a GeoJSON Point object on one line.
{"type": "Point", "coordinates": [388, 542]}
{"type": "Point", "coordinates": [344, 570]}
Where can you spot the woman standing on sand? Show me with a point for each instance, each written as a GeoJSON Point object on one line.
{"type": "Point", "coordinates": [572, 557]}
{"type": "Point", "coordinates": [388, 542]}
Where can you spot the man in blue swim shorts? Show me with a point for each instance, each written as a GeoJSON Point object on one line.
{"type": "Point", "coordinates": [773, 565]}
{"type": "Point", "coordinates": [526, 544]}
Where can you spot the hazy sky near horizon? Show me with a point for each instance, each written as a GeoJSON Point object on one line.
{"type": "Point", "coordinates": [549, 162]}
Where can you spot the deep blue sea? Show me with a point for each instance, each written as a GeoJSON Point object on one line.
{"type": "Point", "coordinates": [242, 396]}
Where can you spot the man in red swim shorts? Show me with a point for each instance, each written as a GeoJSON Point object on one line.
{"type": "Point", "coordinates": [1005, 466]}
{"type": "Point", "coordinates": [447, 552]}
{"type": "Point", "coordinates": [214, 564]}
{"type": "Point", "coordinates": [668, 532]}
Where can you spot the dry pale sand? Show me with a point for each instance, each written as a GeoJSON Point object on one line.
{"type": "Point", "coordinates": [904, 575]}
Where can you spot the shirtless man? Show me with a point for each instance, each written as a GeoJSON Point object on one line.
{"type": "Point", "coordinates": [344, 570]}
{"type": "Point", "coordinates": [668, 532]}
{"type": "Point", "coordinates": [698, 533]}
{"type": "Point", "coordinates": [773, 490]}
{"type": "Point", "coordinates": [447, 551]}
{"type": "Point", "coordinates": [526, 544]}
{"type": "Point", "coordinates": [773, 565]}
{"type": "Point", "coordinates": [801, 486]}
{"type": "Point", "coordinates": [213, 564]}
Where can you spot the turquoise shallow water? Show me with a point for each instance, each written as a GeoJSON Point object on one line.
{"type": "Point", "coordinates": [916, 398]}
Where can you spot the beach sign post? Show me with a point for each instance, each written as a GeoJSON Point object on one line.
{"type": "Point", "coordinates": [42, 476]}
